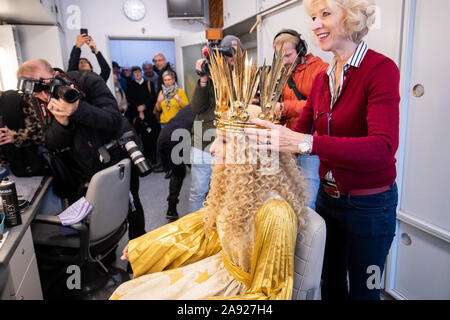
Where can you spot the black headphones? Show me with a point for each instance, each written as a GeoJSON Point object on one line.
{"type": "Point", "coordinates": [302, 47]}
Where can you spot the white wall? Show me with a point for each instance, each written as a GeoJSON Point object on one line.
{"type": "Point", "coordinates": [8, 59]}
{"type": "Point", "coordinates": [31, 38]}
{"type": "Point", "coordinates": [386, 38]}
{"type": "Point", "coordinates": [105, 18]}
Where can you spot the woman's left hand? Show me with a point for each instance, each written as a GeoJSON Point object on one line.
{"type": "Point", "coordinates": [6, 136]}
{"type": "Point", "coordinates": [125, 254]}
{"type": "Point", "coordinates": [278, 138]}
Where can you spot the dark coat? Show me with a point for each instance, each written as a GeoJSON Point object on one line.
{"type": "Point", "coordinates": [182, 120]}
{"type": "Point", "coordinates": [203, 105]}
{"type": "Point", "coordinates": [96, 122]}
{"type": "Point", "coordinates": [105, 69]}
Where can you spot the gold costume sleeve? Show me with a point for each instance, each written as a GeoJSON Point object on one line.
{"type": "Point", "coordinates": [174, 245]}
{"type": "Point", "coordinates": [272, 270]}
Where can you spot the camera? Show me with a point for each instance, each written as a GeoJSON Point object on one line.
{"type": "Point", "coordinates": [58, 87]}
{"type": "Point", "coordinates": [213, 45]}
{"type": "Point", "coordinates": [128, 143]}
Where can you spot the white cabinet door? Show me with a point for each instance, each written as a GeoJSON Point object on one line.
{"type": "Point", "coordinates": [427, 156]}
{"type": "Point", "coordinates": [268, 4]}
{"type": "Point", "coordinates": [235, 11]}
{"type": "Point", "coordinates": [9, 58]}
{"type": "Point", "coordinates": [419, 265]}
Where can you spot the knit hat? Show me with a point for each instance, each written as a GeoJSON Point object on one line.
{"type": "Point", "coordinates": [230, 41]}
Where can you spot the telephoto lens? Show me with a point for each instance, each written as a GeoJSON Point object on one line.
{"type": "Point", "coordinates": [138, 158]}
{"type": "Point", "coordinates": [68, 94]}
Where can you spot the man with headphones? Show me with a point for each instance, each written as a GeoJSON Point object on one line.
{"type": "Point", "coordinates": [296, 93]}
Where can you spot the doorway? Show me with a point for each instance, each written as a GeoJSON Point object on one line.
{"type": "Point", "coordinates": [134, 52]}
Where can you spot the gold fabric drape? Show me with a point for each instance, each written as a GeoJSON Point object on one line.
{"type": "Point", "coordinates": [181, 261]}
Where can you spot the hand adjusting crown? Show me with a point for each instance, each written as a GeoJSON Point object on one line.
{"type": "Point", "coordinates": [236, 85]}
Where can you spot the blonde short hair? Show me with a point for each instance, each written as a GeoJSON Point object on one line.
{"type": "Point", "coordinates": [285, 37]}
{"type": "Point", "coordinates": [168, 73]}
{"type": "Point", "coordinates": [31, 67]}
{"type": "Point", "coordinates": [359, 15]}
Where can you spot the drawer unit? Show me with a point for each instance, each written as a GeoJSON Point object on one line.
{"type": "Point", "coordinates": [423, 265]}
{"type": "Point", "coordinates": [20, 261]}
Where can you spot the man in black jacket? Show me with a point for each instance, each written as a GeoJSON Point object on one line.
{"type": "Point", "coordinates": [176, 167]}
{"type": "Point", "coordinates": [142, 98]}
{"type": "Point", "coordinates": [83, 64]}
{"type": "Point", "coordinates": [84, 126]}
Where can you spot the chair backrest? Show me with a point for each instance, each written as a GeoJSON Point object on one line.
{"type": "Point", "coordinates": [309, 253]}
{"type": "Point", "coordinates": [108, 193]}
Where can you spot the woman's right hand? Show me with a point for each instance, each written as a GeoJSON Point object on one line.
{"type": "Point", "coordinates": [125, 254]}
{"type": "Point", "coordinates": [199, 63]}
{"type": "Point", "coordinates": [160, 98]}
{"type": "Point", "coordinates": [81, 40]}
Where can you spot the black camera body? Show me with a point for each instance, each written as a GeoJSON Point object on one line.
{"type": "Point", "coordinates": [214, 46]}
{"type": "Point", "coordinates": [128, 143]}
{"type": "Point", "coordinates": [58, 87]}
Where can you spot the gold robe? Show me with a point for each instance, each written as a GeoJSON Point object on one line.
{"type": "Point", "coordinates": [181, 261]}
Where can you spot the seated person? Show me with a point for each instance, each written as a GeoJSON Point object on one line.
{"type": "Point", "coordinates": [232, 248]}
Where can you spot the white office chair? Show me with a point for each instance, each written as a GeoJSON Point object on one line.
{"type": "Point", "coordinates": [89, 242]}
{"type": "Point", "coordinates": [308, 259]}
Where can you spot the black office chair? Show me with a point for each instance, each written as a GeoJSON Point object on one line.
{"type": "Point", "coordinates": [88, 243]}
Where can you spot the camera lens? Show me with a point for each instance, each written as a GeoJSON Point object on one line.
{"type": "Point", "coordinates": [138, 158]}
{"type": "Point", "coordinates": [68, 94]}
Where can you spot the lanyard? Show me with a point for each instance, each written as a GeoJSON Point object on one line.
{"type": "Point", "coordinates": [45, 115]}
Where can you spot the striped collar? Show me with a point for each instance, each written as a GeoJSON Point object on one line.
{"type": "Point", "coordinates": [354, 61]}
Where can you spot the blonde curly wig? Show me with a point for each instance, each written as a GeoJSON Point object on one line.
{"type": "Point", "coordinates": [359, 15]}
{"type": "Point", "coordinates": [237, 191]}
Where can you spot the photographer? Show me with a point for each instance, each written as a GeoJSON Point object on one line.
{"type": "Point", "coordinates": [83, 64]}
{"type": "Point", "coordinates": [203, 105]}
{"type": "Point", "coordinates": [83, 126]}
{"type": "Point", "coordinates": [21, 135]}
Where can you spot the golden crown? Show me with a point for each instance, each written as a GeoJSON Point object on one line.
{"type": "Point", "coordinates": [236, 85]}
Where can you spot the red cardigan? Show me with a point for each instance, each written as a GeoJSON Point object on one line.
{"type": "Point", "coordinates": [363, 127]}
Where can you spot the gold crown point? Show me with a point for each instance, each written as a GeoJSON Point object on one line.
{"type": "Point", "coordinates": [236, 86]}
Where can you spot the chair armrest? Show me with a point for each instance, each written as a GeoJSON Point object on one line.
{"type": "Point", "coordinates": [54, 220]}
{"type": "Point", "coordinates": [81, 227]}
{"type": "Point", "coordinates": [42, 218]}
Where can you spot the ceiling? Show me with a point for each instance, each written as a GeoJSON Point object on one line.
{"type": "Point", "coordinates": [24, 11]}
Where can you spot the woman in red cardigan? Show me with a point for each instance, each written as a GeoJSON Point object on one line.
{"type": "Point", "coordinates": [354, 107]}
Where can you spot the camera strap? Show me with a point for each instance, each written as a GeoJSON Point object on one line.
{"type": "Point", "coordinates": [45, 114]}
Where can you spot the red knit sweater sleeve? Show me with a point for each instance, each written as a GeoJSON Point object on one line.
{"type": "Point", "coordinates": [377, 150]}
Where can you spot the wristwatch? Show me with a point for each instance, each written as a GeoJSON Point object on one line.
{"type": "Point", "coordinates": [305, 147]}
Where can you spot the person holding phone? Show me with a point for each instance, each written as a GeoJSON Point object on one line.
{"type": "Point", "coordinates": [76, 63]}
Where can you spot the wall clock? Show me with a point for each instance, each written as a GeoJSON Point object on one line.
{"type": "Point", "coordinates": [134, 9]}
